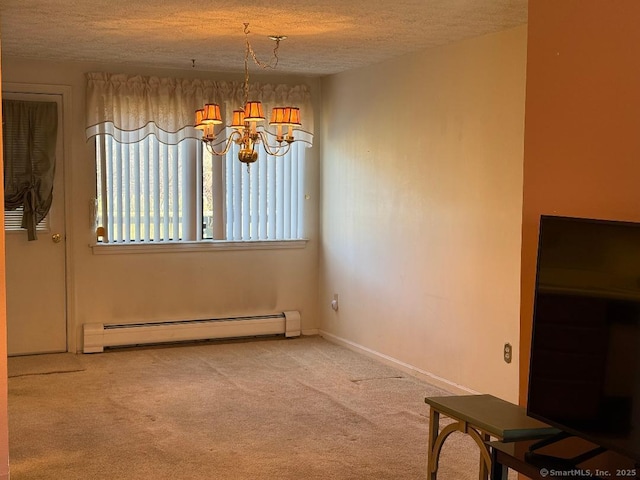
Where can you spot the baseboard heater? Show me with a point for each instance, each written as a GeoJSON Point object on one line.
{"type": "Point", "coordinates": [97, 336]}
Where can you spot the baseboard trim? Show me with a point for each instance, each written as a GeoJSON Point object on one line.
{"type": "Point", "coordinates": [429, 377]}
{"type": "Point", "coordinates": [311, 331]}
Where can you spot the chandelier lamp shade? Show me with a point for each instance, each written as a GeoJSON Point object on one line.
{"type": "Point", "coordinates": [247, 124]}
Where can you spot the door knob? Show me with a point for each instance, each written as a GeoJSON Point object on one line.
{"type": "Point", "coordinates": [56, 237]}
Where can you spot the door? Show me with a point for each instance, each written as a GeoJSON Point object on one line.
{"type": "Point", "coordinates": [36, 281]}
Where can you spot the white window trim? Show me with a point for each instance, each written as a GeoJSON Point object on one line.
{"type": "Point", "coordinates": [197, 246]}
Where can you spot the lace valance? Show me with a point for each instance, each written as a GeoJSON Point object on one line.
{"type": "Point", "coordinates": [131, 107]}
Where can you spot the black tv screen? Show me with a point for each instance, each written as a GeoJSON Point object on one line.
{"type": "Point", "coordinates": [585, 353]}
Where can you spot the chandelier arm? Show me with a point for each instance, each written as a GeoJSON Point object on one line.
{"type": "Point", "coordinates": [279, 150]}
{"type": "Point", "coordinates": [210, 146]}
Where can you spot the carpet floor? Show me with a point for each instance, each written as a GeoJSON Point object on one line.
{"type": "Point", "coordinates": [263, 409]}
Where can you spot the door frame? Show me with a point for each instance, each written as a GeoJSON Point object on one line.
{"type": "Point", "coordinates": [65, 91]}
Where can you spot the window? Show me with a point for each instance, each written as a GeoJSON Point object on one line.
{"type": "Point", "coordinates": [266, 202]}
{"type": "Point", "coordinates": [152, 192]}
{"type": "Point", "coordinates": [13, 221]}
{"type": "Point", "coordinates": [158, 183]}
{"type": "Point", "coordinates": [144, 190]}
{"type": "Point", "coordinates": [30, 137]}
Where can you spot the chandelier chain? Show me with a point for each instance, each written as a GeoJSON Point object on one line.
{"type": "Point", "coordinates": [249, 51]}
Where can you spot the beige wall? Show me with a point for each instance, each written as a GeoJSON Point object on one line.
{"type": "Point", "coordinates": [582, 147]}
{"type": "Point", "coordinates": [169, 286]}
{"type": "Point", "coordinates": [421, 208]}
{"type": "Point", "coordinates": [421, 181]}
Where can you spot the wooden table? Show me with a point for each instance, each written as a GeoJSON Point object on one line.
{"type": "Point", "coordinates": [481, 417]}
{"type": "Point", "coordinates": [559, 461]}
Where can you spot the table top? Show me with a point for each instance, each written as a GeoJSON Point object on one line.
{"type": "Point", "coordinates": [493, 415]}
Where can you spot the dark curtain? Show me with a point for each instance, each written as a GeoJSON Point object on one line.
{"type": "Point", "coordinates": [29, 137]}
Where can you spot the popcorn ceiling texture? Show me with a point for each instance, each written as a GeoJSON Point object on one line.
{"type": "Point", "coordinates": [325, 36]}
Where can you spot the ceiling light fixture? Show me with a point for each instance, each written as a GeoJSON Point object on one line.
{"type": "Point", "coordinates": [245, 130]}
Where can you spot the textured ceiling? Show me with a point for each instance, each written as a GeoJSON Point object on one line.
{"type": "Point", "coordinates": [324, 36]}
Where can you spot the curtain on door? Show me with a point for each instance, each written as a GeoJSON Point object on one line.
{"type": "Point", "coordinates": [29, 139]}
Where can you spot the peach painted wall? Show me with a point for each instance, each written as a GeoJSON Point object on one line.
{"type": "Point", "coordinates": [4, 425]}
{"type": "Point", "coordinates": [582, 135]}
{"type": "Point", "coordinates": [421, 209]}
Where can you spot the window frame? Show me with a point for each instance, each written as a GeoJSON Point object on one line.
{"type": "Point", "coordinates": [200, 244]}
{"type": "Point", "coordinates": [197, 246]}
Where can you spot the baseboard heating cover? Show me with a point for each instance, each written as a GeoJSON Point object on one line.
{"type": "Point", "coordinates": [97, 336]}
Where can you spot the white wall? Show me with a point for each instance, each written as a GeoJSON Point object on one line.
{"type": "Point", "coordinates": [167, 286]}
{"type": "Point", "coordinates": [421, 208]}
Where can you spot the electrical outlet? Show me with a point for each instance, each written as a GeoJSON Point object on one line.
{"type": "Point", "coordinates": [508, 352]}
{"type": "Point", "coordinates": [334, 302]}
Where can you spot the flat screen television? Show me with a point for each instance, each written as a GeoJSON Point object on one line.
{"type": "Point", "coordinates": [585, 353]}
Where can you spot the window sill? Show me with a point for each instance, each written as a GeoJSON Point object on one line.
{"type": "Point", "coordinates": [202, 246]}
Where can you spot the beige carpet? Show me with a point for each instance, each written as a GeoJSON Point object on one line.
{"type": "Point", "coordinates": [268, 409]}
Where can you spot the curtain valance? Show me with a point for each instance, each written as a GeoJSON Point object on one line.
{"type": "Point", "coordinates": [131, 107]}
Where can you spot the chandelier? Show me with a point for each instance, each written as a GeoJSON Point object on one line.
{"type": "Point", "coordinates": [246, 128]}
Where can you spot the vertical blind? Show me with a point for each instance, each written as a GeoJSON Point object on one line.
{"type": "Point", "coordinates": [144, 190]}
{"type": "Point", "coordinates": [152, 192]}
{"type": "Point", "coordinates": [266, 202]}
